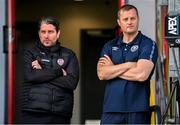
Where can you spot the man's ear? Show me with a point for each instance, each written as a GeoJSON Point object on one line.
{"type": "Point", "coordinates": [118, 21]}
{"type": "Point", "coordinates": [58, 34]}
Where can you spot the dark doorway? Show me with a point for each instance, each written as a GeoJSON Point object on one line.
{"type": "Point", "coordinates": [92, 89]}
{"type": "Point", "coordinates": [26, 33]}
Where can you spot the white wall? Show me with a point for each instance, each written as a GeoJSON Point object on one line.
{"type": "Point", "coordinates": [147, 13]}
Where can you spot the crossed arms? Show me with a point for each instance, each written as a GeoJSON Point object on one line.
{"type": "Point", "coordinates": [36, 74]}
{"type": "Point", "coordinates": [133, 71]}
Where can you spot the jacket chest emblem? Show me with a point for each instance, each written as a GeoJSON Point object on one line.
{"type": "Point", "coordinates": [134, 48]}
{"type": "Point", "coordinates": [60, 61]}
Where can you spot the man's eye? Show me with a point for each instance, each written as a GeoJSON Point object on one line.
{"type": "Point", "coordinates": [43, 32]}
{"type": "Point", "coordinates": [125, 19]}
{"type": "Point", "coordinates": [133, 18]}
{"type": "Point", "coordinates": [51, 31]}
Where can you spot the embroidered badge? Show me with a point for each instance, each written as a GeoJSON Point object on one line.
{"type": "Point", "coordinates": [60, 62]}
{"type": "Point", "coordinates": [134, 48]}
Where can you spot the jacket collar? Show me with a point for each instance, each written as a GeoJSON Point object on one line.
{"type": "Point", "coordinates": [54, 48]}
{"type": "Point", "coordinates": [135, 41]}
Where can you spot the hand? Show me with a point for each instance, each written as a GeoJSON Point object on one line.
{"type": "Point", "coordinates": [105, 61]}
{"type": "Point", "coordinates": [64, 72]}
{"type": "Point", "coordinates": [36, 65]}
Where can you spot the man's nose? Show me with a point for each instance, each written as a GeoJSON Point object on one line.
{"type": "Point", "coordinates": [46, 34]}
{"type": "Point", "coordinates": [129, 21]}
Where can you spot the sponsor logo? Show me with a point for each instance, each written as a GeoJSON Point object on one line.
{"type": "Point", "coordinates": [45, 60]}
{"type": "Point", "coordinates": [115, 48]}
{"type": "Point", "coordinates": [173, 25]}
{"type": "Point", "coordinates": [42, 53]}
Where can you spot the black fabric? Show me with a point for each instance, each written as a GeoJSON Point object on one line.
{"type": "Point", "coordinates": [47, 90]}
{"type": "Point", "coordinates": [42, 118]}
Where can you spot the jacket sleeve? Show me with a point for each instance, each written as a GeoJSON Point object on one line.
{"type": "Point", "coordinates": [38, 75]}
{"type": "Point", "coordinates": [69, 81]}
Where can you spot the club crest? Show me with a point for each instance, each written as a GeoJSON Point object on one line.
{"type": "Point", "coordinates": [60, 62]}
{"type": "Point", "coordinates": [134, 48]}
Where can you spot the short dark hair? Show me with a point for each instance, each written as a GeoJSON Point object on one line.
{"type": "Point", "coordinates": [127, 7]}
{"type": "Point", "coordinates": [49, 20]}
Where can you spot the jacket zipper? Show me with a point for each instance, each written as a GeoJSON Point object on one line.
{"type": "Point", "coordinates": [52, 108]}
{"type": "Point", "coordinates": [51, 61]}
